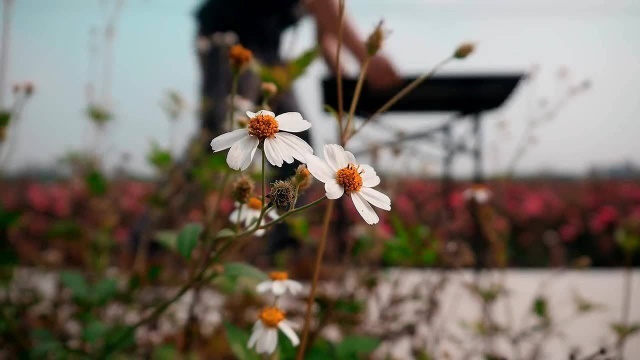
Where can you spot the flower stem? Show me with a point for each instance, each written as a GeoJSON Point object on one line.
{"type": "Point", "coordinates": [354, 100]}
{"type": "Point", "coordinates": [407, 89]}
{"type": "Point", "coordinates": [339, 69]}
{"type": "Point", "coordinates": [316, 274]}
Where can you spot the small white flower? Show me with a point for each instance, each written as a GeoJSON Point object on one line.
{"type": "Point", "coordinates": [247, 214]}
{"type": "Point", "coordinates": [279, 283]}
{"type": "Point", "coordinates": [265, 331]}
{"type": "Point", "coordinates": [341, 174]}
{"type": "Point", "coordinates": [478, 192]}
{"type": "Point", "coordinates": [267, 129]}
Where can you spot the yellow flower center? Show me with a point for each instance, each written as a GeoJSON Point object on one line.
{"type": "Point", "coordinates": [271, 316]}
{"type": "Point", "coordinates": [263, 126]}
{"type": "Point", "coordinates": [255, 203]}
{"type": "Point", "coordinates": [278, 275]}
{"type": "Point", "coordinates": [349, 178]}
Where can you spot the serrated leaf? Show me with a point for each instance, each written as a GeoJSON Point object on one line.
{"type": "Point", "coordinates": [188, 239]}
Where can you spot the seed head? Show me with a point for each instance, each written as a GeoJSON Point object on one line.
{"type": "Point", "coordinates": [464, 50]}
{"type": "Point", "coordinates": [282, 194]}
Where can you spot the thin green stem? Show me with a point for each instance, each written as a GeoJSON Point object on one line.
{"type": "Point", "coordinates": [316, 275]}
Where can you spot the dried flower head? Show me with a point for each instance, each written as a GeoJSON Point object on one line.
{"type": "Point", "coordinates": [464, 50]}
{"type": "Point", "coordinates": [375, 40]}
{"type": "Point", "coordinates": [242, 189]}
{"type": "Point", "coordinates": [282, 194]}
{"type": "Point", "coordinates": [240, 57]}
{"type": "Point", "coordinates": [303, 177]}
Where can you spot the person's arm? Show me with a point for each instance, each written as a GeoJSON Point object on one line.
{"type": "Point", "coordinates": [381, 73]}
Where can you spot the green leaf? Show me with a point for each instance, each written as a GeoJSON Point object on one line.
{"type": "Point", "coordinates": [300, 64]}
{"type": "Point", "coordinates": [188, 239]}
{"type": "Point", "coordinates": [104, 291]}
{"type": "Point", "coordinates": [225, 233]}
{"type": "Point", "coordinates": [623, 331]}
{"type": "Point", "coordinates": [352, 347]}
{"type": "Point", "coordinates": [165, 352]}
{"type": "Point", "coordinates": [96, 182]}
{"type": "Point", "coordinates": [5, 118]}
{"type": "Point", "coordinates": [237, 269]}
{"type": "Point", "coordinates": [65, 229]}
{"type": "Point", "coordinates": [167, 238]}
{"type": "Point", "coordinates": [119, 338]}
{"type": "Point", "coordinates": [160, 158]}
{"type": "Point", "coordinates": [94, 331]}
{"type": "Point", "coordinates": [540, 308]}
{"type": "Point", "coordinates": [76, 283]}
{"type": "Point", "coordinates": [238, 339]}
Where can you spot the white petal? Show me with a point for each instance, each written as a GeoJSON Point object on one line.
{"type": "Point", "coordinates": [333, 189]}
{"type": "Point", "coordinates": [272, 154]}
{"type": "Point", "coordinates": [335, 156]}
{"type": "Point", "coordinates": [255, 335]}
{"type": "Point", "coordinates": [282, 151]}
{"type": "Point", "coordinates": [278, 288]}
{"type": "Point", "coordinates": [262, 341]}
{"type": "Point", "coordinates": [292, 122]}
{"type": "Point", "coordinates": [350, 158]}
{"type": "Point", "coordinates": [272, 214]}
{"type": "Point", "coordinates": [285, 327]}
{"type": "Point", "coordinates": [376, 198]}
{"type": "Point", "coordinates": [364, 209]}
{"type": "Point", "coordinates": [241, 153]}
{"type": "Point", "coordinates": [271, 341]}
{"type": "Point", "coordinates": [227, 140]}
{"type": "Point", "coordinates": [319, 169]}
{"type": "Point", "coordinates": [369, 176]}
{"type": "Point", "coordinates": [264, 286]}
{"type": "Point", "coordinates": [233, 218]}
{"type": "Point", "coordinates": [259, 232]}
{"type": "Point", "coordinates": [294, 146]}
{"type": "Point", "coordinates": [251, 114]}
{"type": "Point", "coordinates": [294, 286]}
{"type": "Point", "coordinates": [266, 112]}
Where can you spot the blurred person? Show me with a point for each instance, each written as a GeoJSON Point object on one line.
{"type": "Point", "coordinates": [258, 26]}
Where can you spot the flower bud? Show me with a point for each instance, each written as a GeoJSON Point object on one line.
{"type": "Point", "coordinates": [239, 57]}
{"type": "Point", "coordinates": [269, 89]}
{"type": "Point", "coordinates": [303, 177]}
{"type": "Point", "coordinates": [464, 50]}
{"type": "Point", "coordinates": [375, 40]}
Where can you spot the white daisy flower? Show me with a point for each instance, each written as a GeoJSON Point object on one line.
{"type": "Point", "coordinates": [478, 192]}
{"type": "Point", "coordinates": [279, 283]}
{"type": "Point", "coordinates": [247, 214]}
{"type": "Point", "coordinates": [267, 129]}
{"type": "Point", "coordinates": [341, 174]}
{"type": "Point", "coordinates": [265, 331]}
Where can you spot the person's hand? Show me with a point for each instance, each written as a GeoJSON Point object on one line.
{"type": "Point", "coordinates": [381, 74]}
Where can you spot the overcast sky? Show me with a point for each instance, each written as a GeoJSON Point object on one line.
{"type": "Point", "coordinates": [596, 40]}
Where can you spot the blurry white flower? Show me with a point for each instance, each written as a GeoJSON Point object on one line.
{"type": "Point", "coordinates": [279, 283]}
{"type": "Point", "coordinates": [341, 174]}
{"type": "Point", "coordinates": [247, 214]}
{"type": "Point", "coordinates": [478, 192]}
{"type": "Point", "coordinates": [266, 128]}
{"type": "Point", "coordinates": [265, 331]}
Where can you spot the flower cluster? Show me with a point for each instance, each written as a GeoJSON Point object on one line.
{"type": "Point", "coordinates": [264, 336]}
{"type": "Point", "coordinates": [339, 171]}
